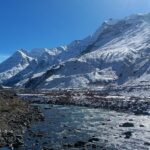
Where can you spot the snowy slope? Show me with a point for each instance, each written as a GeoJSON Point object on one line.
{"type": "Point", "coordinates": [14, 64]}
{"type": "Point", "coordinates": [120, 49]}
{"type": "Point", "coordinates": [118, 53]}
{"type": "Point", "coordinates": [44, 59]}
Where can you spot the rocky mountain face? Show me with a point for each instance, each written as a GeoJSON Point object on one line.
{"type": "Point", "coordinates": [13, 65]}
{"type": "Point", "coordinates": [117, 54]}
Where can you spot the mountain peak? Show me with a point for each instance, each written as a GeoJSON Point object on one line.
{"type": "Point", "coordinates": [138, 16]}
{"type": "Point", "coordinates": [118, 52]}
{"type": "Point", "coordinates": [21, 52]}
{"type": "Point", "coordinates": [37, 52]}
{"type": "Point", "coordinates": [111, 21]}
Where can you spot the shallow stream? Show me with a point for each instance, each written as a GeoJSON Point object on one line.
{"type": "Point", "coordinates": [75, 128]}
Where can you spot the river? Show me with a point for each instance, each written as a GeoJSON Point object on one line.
{"type": "Point", "coordinates": [75, 128]}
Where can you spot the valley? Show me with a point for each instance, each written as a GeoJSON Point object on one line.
{"type": "Point", "coordinates": [93, 93]}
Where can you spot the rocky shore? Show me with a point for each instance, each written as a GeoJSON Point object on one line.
{"type": "Point", "coordinates": [96, 99]}
{"type": "Point", "coordinates": [84, 125]}
{"type": "Point", "coordinates": [15, 117]}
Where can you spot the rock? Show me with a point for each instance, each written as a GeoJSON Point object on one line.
{"type": "Point", "coordinates": [127, 124]}
{"type": "Point", "coordinates": [130, 119]}
{"type": "Point", "coordinates": [94, 146]}
{"type": "Point", "coordinates": [40, 117]}
{"type": "Point", "coordinates": [10, 133]}
{"type": "Point", "coordinates": [46, 148]}
{"type": "Point", "coordinates": [79, 144]}
{"type": "Point", "coordinates": [18, 142]}
{"type": "Point", "coordinates": [140, 112]}
{"type": "Point", "coordinates": [127, 134]}
{"type": "Point", "coordinates": [67, 145]}
{"type": "Point", "coordinates": [103, 124]}
{"type": "Point", "coordinates": [141, 125]}
{"type": "Point", "coordinates": [93, 139]}
{"type": "Point", "coordinates": [147, 143]}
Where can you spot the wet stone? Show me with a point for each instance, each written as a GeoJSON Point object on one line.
{"type": "Point", "coordinates": [127, 134]}
{"type": "Point", "coordinates": [46, 148]}
{"type": "Point", "coordinates": [127, 124]}
{"type": "Point", "coordinates": [93, 139]}
{"type": "Point", "coordinates": [79, 144]}
{"type": "Point", "coordinates": [147, 143]}
{"type": "Point", "coordinates": [141, 125]}
{"type": "Point", "coordinates": [67, 145]}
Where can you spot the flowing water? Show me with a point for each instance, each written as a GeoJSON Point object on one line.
{"type": "Point", "coordinates": [75, 128]}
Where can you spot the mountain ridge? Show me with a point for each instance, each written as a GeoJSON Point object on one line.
{"type": "Point", "coordinates": [117, 53]}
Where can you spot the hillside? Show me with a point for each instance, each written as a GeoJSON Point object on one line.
{"type": "Point", "coordinates": [117, 55]}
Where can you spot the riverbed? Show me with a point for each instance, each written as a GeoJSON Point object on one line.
{"type": "Point", "coordinates": [75, 128]}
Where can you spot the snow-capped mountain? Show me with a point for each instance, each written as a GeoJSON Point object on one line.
{"type": "Point", "coordinates": [43, 60]}
{"type": "Point", "coordinates": [117, 53]}
{"type": "Point", "coordinates": [13, 65]}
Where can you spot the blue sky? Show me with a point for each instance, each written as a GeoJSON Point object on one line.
{"type": "Point", "coordinates": [48, 23]}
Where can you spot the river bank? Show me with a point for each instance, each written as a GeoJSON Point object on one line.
{"type": "Point", "coordinates": [68, 126]}
{"type": "Point", "coordinates": [15, 116]}
{"type": "Point", "coordinates": [92, 99]}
